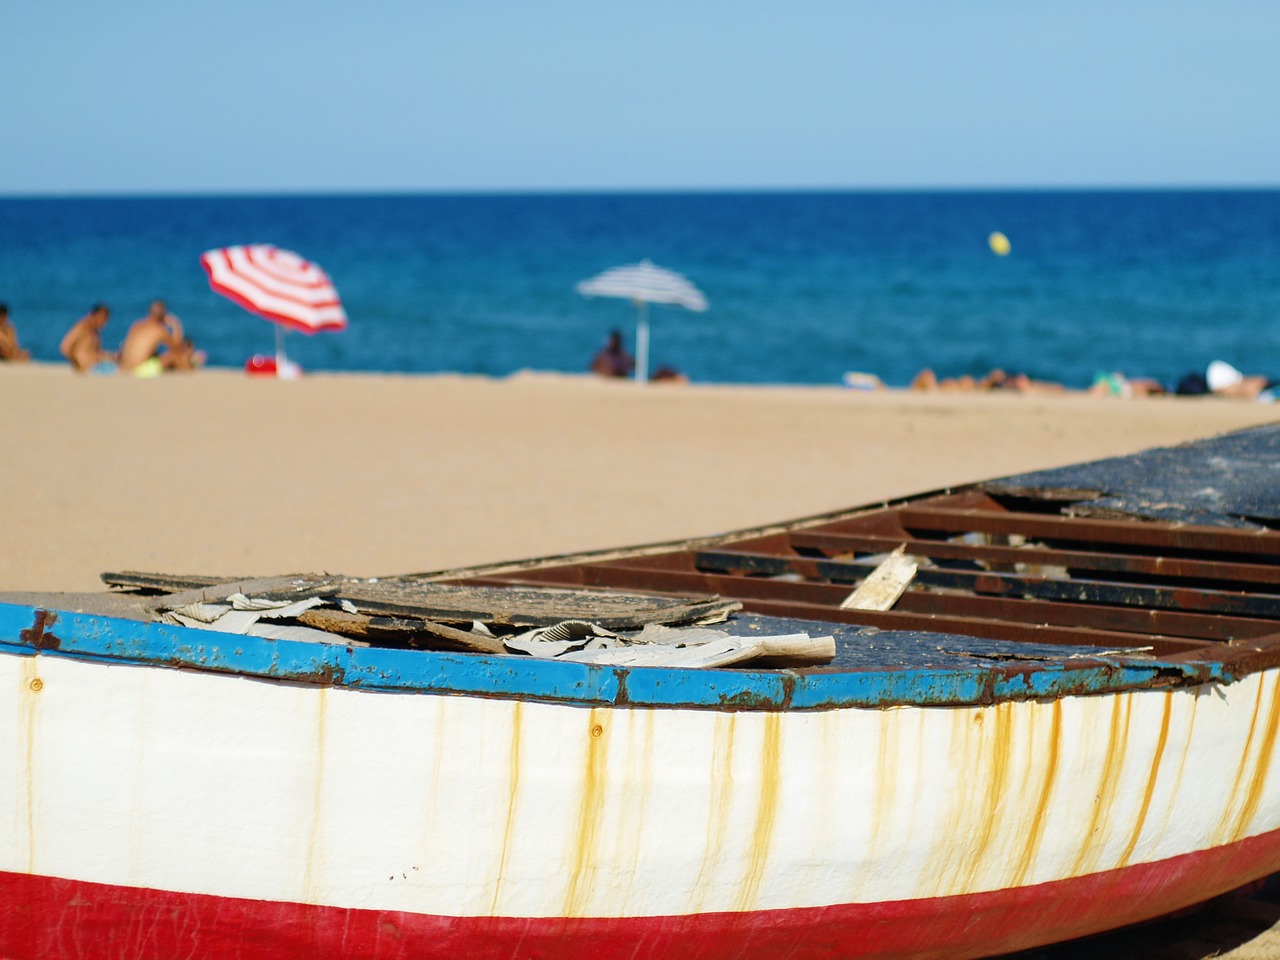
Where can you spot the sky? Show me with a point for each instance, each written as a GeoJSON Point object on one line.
{"type": "Point", "coordinates": [159, 97]}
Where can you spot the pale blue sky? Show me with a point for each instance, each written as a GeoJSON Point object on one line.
{"type": "Point", "coordinates": [161, 96]}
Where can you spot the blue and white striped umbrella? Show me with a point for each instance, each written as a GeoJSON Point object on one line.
{"type": "Point", "coordinates": [643, 284]}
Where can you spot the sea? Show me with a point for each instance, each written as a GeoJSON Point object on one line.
{"type": "Point", "coordinates": [803, 287]}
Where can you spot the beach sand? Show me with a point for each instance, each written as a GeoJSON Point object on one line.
{"type": "Point", "coordinates": [372, 475]}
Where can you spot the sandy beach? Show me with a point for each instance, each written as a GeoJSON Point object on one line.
{"type": "Point", "coordinates": [372, 475]}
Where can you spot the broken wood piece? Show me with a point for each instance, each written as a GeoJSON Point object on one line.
{"type": "Point", "coordinates": [469, 639]}
{"type": "Point", "coordinates": [299, 587]}
{"type": "Point", "coordinates": [885, 584]}
{"type": "Point", "coordinates": [792, 650]}
{"type": "Point", "coordinates": [336, 621]}
{"type": "Point", "coordinates": [798, 650]}
{"type": "Point", "coordinates": [164, 582]}
{"type": "Point", "coordinates": [359, 624]}
{"type": "Point", "coordinates": [530, 606]}
{"type": "Point", "coordinates": [407, 631]}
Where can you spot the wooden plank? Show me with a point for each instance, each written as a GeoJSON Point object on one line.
{"type": "Point", "coordinates": [297, 587]}
{"type": "Point", "coordinates": [528, 607]}
{"type": "Point", "coordinates": [406, 632]}
{"type": "Point", "coordinates": [884, 585]}
{"type": "Point", "coordinates": [166, 582]}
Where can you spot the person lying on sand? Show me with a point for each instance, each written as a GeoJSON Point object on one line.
{"type": "Point", "coordinates": [10, 350]}
{"type": "Point", "coordinates": [1223, 380]}
{"type": "Point", "coordinates": [82, 345]}
{"type": "Point", "coordinates": [667, 375]}
{"type": "Point", "coordinates": [926, 380]}
{"type": "Point", "coordinates": [156, 343]}
{"type": "Point", "coordinates": [1115, 384]}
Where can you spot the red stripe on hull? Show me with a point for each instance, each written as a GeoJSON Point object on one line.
{"type": "Point", "coordinates": [51, 918]}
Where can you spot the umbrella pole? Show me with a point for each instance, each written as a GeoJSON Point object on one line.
{"type": "Point", "coordinates": [281, 360]}
{"type": "Point", "coordinates": [642, 342]}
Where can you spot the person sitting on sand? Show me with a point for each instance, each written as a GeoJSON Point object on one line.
{"type": "Point", "coordinates": [10, 350]}
{"type": "Point", "coordinates": [613, 360]}
{"type": "Point", "coordinates": [82, 345]}
{"type": "Point", "coordinates": [142, 353]}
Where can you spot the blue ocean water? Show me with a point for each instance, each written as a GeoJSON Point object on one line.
{"type": "Point", "coordinates": [802, 286]}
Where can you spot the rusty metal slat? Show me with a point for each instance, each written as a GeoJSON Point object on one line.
{"type": "Point", "coordinates": [903, 619]}
{"type": "Point", "coordinates": [985, 629]}
{"type": "Point", "coordinates": [1055, 613]}
{"type": "Point", "coordinates": [822, 599]}
{"type": "Point", "coordinates": [1169, 623]}
{"type": "Point", "coordinates": [1176, 567]}
{"type": "Point", "coordinates": [1000, 584]}
{"type": "Point", "coordinates": [1127, 532]}
{"type": "Point", "coordinates": [550, 576]}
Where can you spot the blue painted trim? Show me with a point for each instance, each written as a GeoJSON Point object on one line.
{"type": "Point", "coordinates": [111, 640]}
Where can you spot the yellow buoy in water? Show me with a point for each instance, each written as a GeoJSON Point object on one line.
{"type": "Point", "coordinates": [999, 244]}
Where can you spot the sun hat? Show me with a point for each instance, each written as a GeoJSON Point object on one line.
{"type": "Point", "coordinates": [1222, 375]}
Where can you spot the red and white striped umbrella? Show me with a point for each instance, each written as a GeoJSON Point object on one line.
{"type": "Point", "coordinates": [276, 284]}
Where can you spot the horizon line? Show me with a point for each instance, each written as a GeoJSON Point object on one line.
{"type": "Point", "coordinates": [213, 193]}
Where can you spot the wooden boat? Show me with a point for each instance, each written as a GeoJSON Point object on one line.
{"type": "Point", "coordinates": [1065, 724]}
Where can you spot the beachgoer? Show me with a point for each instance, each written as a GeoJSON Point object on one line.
{"type": "Point", "coordinates": [668, 375]}
{"type": "Point", "coordinates": [82, 345]}
{"type": "Point", "coordinates": [10, 350]}
{"type": "Point", "coordinates": [1113, 383]}
{"type": "Point", "coordinates": [613, 360]}
{"type": "Point", "coordinates": [860, 380]}
{"type": "Point", "coordinates": [142, 353]}
{"type": "Point", "coordinates": [1226, 381]}
{"type": "Point", "coordinates": [1223, 380]}
{"type": "Point", "coordinates": [926, 380]}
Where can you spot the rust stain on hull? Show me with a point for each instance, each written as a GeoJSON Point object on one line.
{"type": "Point", "coordinates": [513, 797]}
{"type": "Point", "coordinates": [590, 810]}
{"type": "Point", "coordinates": [1041, 815]}
{"type": "Point", "coordinates": [1262, 763]}
{"type": "Point", "coordinates": [636, 796]}
{"type": "Point", "coordinates": [1149, 792]}
{"type": "Point", "coordinates": [1226, 828]}
{"type": "Point", "coordinates": [995, 735]}
{"type": "Point", "coordinates": [1092, 843]}
{"type": "Point", "coordinates": [28, 696]}
{"type": "Point", "coordinates": [718, 809]}
{"type": "Point", "coordinates": [766, 810]}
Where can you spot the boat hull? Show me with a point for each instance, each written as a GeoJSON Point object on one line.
{"type": "Point", "coordinates": [157, 811]}
{"type": "Point", "coordinates": [100, 922]}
